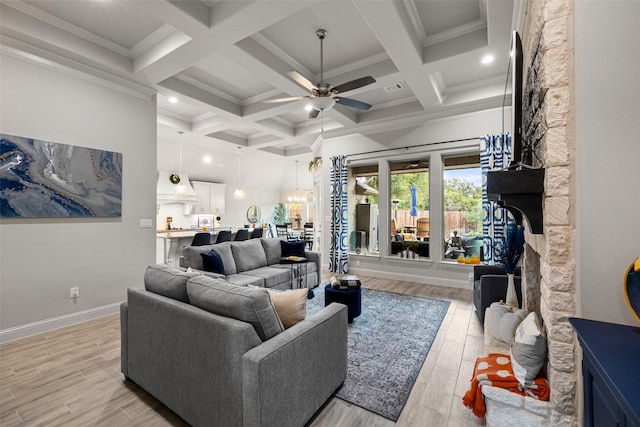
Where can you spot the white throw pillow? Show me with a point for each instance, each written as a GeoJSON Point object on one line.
{"type": "Point", "coordinates": [528, 349]}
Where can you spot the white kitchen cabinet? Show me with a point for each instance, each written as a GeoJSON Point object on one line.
{"type": "Point", "coordinates": [210, 197]}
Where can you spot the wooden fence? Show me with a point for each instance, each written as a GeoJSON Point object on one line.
{"type": "Point", "coordinates": [454, 220]}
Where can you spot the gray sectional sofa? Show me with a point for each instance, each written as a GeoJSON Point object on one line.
{"type": "Point", "coordinates": [217, 355]}
{"type": "Point", "coordinates": [253, 262]}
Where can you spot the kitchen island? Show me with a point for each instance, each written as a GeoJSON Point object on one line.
{"type": "Point", "coordinates": [170, 242]}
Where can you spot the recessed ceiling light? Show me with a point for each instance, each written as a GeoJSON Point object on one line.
{"type": "Point", "coordinates": [206, 159]}
{"type": "Point", "coordinates": [173, 99]}
{"type": "Point", "coordinates": [487, 59]}
{"type": "Point", "coordinates": [308, 107]}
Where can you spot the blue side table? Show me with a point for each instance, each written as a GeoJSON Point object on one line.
{"type": "Point", "coordinates": [352, 298]}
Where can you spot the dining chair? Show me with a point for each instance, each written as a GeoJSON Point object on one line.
{"type": "Point", "coordinates": [242, 234]}
{"type": "Point", "coordinates": [308, 235]}
{"type": "Point", "coordinates": [201, 239]}
{"type": "Point", "coordinates": [256, 233]}
{"type": "Point", "coordinates": [281, 230]}
{"type": "Point", "coordinates": [224, 236]}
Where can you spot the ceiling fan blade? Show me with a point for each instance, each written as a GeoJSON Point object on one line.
{"type": "Point", "coordinates": [313, 114]}
{"type": "Point", "coordinates": [302, 81]}
{"type": "Point", "coordinates": [293, 98]}
{"type": "Point", "coordinates": [354, 84]}
{"type": "Point", "coordinates": [353, 103]}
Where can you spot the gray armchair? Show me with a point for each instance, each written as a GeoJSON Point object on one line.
{"type": "Point", "coordinates": [490, 285]}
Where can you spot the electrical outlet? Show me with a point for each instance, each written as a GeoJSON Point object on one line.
{"type": "Point", "coordinates": [357, 263]}
{"type": "Point", "coordinates": [470, 277]}
{"type": "Point", "coordinates": [74, 293]}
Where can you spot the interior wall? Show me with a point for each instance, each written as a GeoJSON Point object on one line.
{"type": "Point", "coordinates": [265, 178]}
{"type": "Point", "coordinates": [433, 271]}
{"type": "Point", "coordinates": [607, 155]}
{"type": "Point", "coordinates": [40, 259]}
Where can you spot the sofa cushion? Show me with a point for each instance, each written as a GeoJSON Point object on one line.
{"type": "Point", "coordinates": [246, 304]}
{"type": "Point", "coordinates": [248, 255]}
{"type": "Point", "coordinates": [192, 257]}
{"type": "Point", "coordinates": [272, 250]}
{"type": "Point", "coordinates": [291, 306]}
{"type": "Point", "coordinates": [168, 281]}
{"type": "Point", "coordinates": [243, 279]}
{"type": "Point", "coordinates": [292, 248]}
{"type": "Point", "coordinates": [224, 249]}
{"type": "Point", "coordinates": [212, 261]}
{"type": "Point", "coordinates": [272, 276]}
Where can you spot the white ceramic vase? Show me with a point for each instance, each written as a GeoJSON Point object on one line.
{"type": "Point", "coordinates": [511, 298]}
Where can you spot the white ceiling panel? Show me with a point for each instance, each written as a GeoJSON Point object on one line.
{"type": "Point", "coordinates": [221, 71]}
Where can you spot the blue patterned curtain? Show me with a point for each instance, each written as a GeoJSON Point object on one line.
{"type": "Point", "coordinates": [338, 256]}
{"type": "Point", "coordinates": [495, 154]}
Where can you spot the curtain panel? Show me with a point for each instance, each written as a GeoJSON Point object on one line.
{"type": "Point", "coordinates": [338, 255]}
{"type": "Point", "coordinates": [495, 154]}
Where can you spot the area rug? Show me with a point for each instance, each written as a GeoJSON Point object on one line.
{"type": "Point", "coordinates": [388, 343]}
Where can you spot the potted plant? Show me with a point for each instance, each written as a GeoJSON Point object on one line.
{"type": "Point", "coordinates": [315, 164]}
{"type": "Point", "coordinates": [510, 254]}
{"type": "Point", "coordinates": [279, 214]}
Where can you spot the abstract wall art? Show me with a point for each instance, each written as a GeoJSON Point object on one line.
{"type": "Point", "coordinates": [41, 179]}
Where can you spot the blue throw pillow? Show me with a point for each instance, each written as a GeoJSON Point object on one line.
{"type": "Point", "coordinates": [292, 248]}
{"type": "Point", "coordinates": [212, 262]}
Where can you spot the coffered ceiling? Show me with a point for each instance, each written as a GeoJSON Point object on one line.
{"type": "Point", "coordinates": [221, 59]}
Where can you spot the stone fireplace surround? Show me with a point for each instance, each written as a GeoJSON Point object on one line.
{"type": "Point", "coordinates": [549, 258]}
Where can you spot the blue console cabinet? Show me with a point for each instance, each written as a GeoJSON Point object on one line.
{"type": "Point", "coordinates": [610, 373]}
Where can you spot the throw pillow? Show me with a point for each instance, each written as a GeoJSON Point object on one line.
{"type": "Point", "coordinates": [528, 349]}
{"type": "Point", "coordinates": [292, 248]}
{"type": "Point", "coordinates": [291, 306]}
{"type": "Point", "coordinates": [212, 261]}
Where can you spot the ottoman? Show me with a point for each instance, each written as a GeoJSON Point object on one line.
{"type": "Point", "coordinates": [352, 298]}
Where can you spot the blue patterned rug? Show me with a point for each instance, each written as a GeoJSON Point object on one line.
{"type": "Point", "coordinates": [387, 347]}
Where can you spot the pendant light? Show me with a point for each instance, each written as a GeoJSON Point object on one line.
{"type": "Point", "coordinates": [296, 197]}
{"type": "Point", "coordinates": [238, 194]}
{"type": "Point", "coordinates": [180, 188]}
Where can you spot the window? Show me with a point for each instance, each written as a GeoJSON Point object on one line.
{"type": "Point", "coordinates": [462, 209]}
{"type": "Point", "coordinates": [363, 220]}
{"type": "Point", "coordinates": [409, 184]}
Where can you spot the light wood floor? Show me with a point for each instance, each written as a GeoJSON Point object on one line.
{"type": "Point", "coordinates": [71, 376]}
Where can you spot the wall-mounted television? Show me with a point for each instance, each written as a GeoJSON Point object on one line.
{"type": "Point", "coordinates": [516, 99]}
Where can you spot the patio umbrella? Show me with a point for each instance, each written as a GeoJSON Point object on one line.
{"type": "Point", "coordinates": [414, 201]}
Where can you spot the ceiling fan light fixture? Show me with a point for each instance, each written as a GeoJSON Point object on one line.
{"type": "Point", "coordinates": [321, 103]}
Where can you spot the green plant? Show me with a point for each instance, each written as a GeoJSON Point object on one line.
{"type": "Point", "coordinates": [315, 164]}
{"type": "Point", "coordinates": [279, 214]}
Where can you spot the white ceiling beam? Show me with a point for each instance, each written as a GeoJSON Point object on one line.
{"type": "Point", "coordinates": [230, 22]}
{"type": "Point", "coordinates": [392, 26]}
{"type": "Point", "coordinates": [213, 102]}
{"type": "Point", "coordinates": [45, 32]}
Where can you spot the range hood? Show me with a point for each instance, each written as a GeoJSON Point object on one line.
{"type": "Point", "coordinates": [170, 190]}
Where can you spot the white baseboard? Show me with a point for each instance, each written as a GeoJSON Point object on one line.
{"type": "Point", "coordinates": [46, 325]}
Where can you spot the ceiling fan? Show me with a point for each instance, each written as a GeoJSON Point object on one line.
{"type": "Point", "coordinates": [323, 95]}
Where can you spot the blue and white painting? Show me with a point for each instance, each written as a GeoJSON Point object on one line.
{"type": "Point", "coordinates": [40, 179]}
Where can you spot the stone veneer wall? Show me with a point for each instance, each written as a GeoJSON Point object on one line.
{"type": "Point", "coordinates": [549, 260]}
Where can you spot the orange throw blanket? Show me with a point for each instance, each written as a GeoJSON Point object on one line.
{"type": "Point", "coordinates": [495, 369]}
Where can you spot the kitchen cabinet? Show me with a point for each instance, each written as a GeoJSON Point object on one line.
{"type": "Point", "coordinates": [210, 197]}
